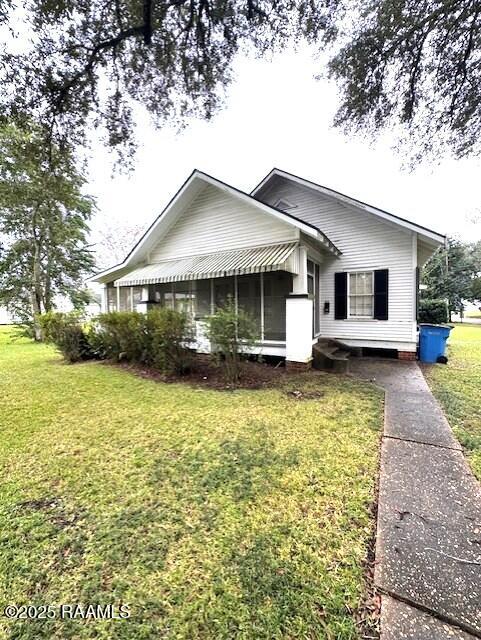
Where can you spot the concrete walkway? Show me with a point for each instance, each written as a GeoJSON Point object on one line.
{"type": "Point", "coordinates": [428, 547]}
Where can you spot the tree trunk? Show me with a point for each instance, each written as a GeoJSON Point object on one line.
{"type": "Point", "coordinates": [36, 294]}
{"type": "Point", "coordinates": [36, 311]}
{"type": "Point", "coordinates": [47, 301]}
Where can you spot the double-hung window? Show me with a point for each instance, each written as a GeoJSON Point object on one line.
{"type": "Point", "coordinates": [361, 294]}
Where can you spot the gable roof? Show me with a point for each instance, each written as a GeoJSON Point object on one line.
{"type": "Point", "coordinates": [430, 236]}
{"type": "Point", "coordinates": [184, 196]}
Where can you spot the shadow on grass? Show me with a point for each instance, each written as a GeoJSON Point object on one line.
{"type": "Point", "coordinates": [244, 467]}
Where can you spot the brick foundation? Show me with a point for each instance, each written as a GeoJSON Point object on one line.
{"type": "Point", "coordinates": [406, 355]}
{"type": "Point", "coordinates": [298, 366]}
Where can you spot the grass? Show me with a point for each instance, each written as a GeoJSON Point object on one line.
{"type": "Point", "coordinates": [473, 314]}
{"type": "Point", "coordinates": [458, 387]}
{"type": "Point", "coordinates": [212, 514]}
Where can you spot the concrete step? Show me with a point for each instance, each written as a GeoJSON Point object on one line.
{"type": "Point", "coordinates": [329, 355]}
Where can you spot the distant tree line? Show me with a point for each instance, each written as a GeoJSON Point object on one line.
{"type": "Point", "coordinates": [454, 275]}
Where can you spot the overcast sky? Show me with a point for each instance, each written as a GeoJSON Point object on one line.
{"type": "Point", "coordinates": [277, 114]}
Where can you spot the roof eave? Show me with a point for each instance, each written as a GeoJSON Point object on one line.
{"type": "Point", "coordinates": [139, 250]}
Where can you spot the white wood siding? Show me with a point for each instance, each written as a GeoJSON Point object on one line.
{"type": "Point", "coordinates": [216, 221]}
{"type": "Point", "coordinates": [366, 243]}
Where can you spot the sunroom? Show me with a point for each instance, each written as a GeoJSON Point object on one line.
{"type": "Point", "coordinates": [277, 284]}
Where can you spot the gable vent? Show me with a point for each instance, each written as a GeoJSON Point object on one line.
{"type": "Point", "coordinates": [283, 204]}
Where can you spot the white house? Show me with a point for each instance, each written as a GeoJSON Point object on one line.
{"type": "Point", "coordinates": [306, 261]}
{"type": "Point", "coordinates": [5, 317]}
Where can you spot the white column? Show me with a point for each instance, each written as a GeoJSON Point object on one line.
{"type": "Point", "coordinates": [299, 316]}
{"type": "Point", "coordinates": [299, 328]}
{"type": "Point", "coordinates": [299, 281]}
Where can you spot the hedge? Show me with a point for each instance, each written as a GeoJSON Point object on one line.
{"type": "Point", "coordinates": [159, 338]}
{"type": "Point", "coordinates": [434, 311]}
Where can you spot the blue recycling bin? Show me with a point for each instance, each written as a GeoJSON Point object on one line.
{"type": "Point", "coordinates": [432, 341]}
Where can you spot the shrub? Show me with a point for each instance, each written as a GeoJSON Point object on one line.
{"type": "Point", "coordinates": [119, 335]}
{"type": "Point", "coordinates": [65, 330]}
{"type": "Point", "coordinates": [159, 338]}
{"type": "Point", "coordinates": [169, 335]}
{"type": "Point", "coordinates": [433, 311]}
{"type": "Point", "coordinates": [231, 333]}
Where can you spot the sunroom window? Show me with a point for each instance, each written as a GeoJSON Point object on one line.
{"type": "Point", "coordinates": [262, 295]}
{"type": "Point", "coordinates": [277, 286]}
{"type": "Point", "coordinates": [361, 294]}
{"type": "Point", "coordinates": [125, 299]}
{"type": "Point", "coordinates": [136, 297]}
{"type": "Point", "coordinates": [202, 297]}
{"type": "Point", "coordinates": [249, 297]}
{"type": "Point", "coordinates": [111, 298]}
{"type": "Point", "coordinates": [184, 298]}
{"type": "Point", "coordinates": [163, 294]}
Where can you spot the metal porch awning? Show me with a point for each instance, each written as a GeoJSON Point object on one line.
{"type": "Point", "coordinates": [276, 257]}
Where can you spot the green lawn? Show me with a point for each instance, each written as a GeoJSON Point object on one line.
{"type": "Point", "coordinates": [457, 386]}
{"type": "Point", "coordinates": [212, 514]}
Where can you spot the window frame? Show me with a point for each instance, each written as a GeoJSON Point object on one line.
{"type": "Point", "coordinates": [348, 314]}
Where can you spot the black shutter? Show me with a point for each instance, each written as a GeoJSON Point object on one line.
{"type": "Point", "coordinates": [340, 295]}
{"type": "Point", "coordinates": [381, 287]}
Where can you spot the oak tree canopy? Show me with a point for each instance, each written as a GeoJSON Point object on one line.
{"type": "Point", "coordinates": [411, 65]}
{"type": "Point", "coordinates": [414, 65]}
{"type": "Point", "coordinates": [89, 61]}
